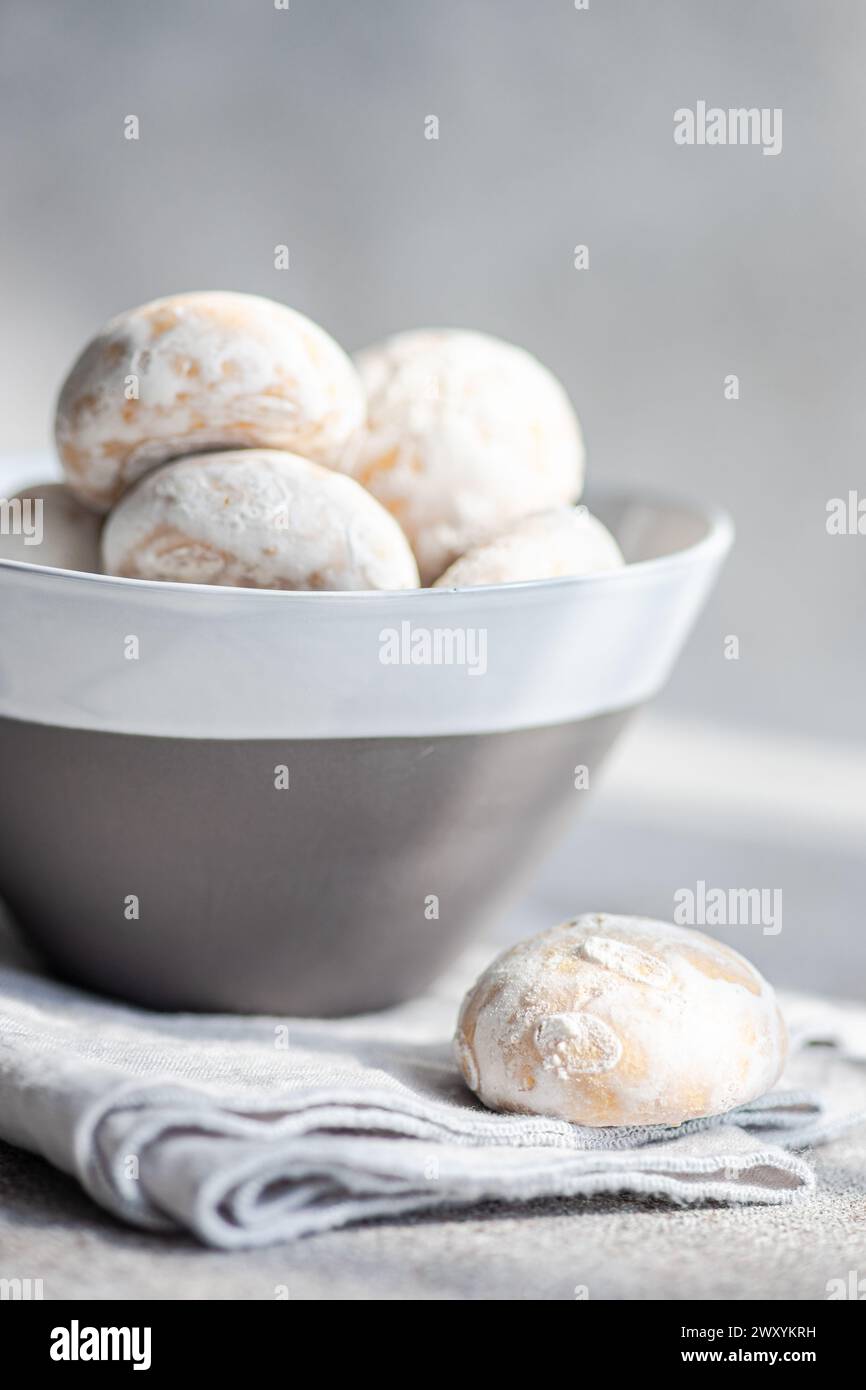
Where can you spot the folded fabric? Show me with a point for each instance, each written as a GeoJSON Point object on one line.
{"type": "Point", "coordinates": [248, 1131]}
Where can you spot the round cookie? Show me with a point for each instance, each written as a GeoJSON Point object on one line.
{"type": "Point", "coordinates": [464, 435]}
{"type": "Point", "coordinates": [550, 545]}
{"type": "Point", "coordinates": [59, 531]}
{"type": "Point", "coordinates": [256, 518]}
{"type": "Point", "coordinates": [196, 372]}
{"type": "Point", "coordinates": [620, 1021]}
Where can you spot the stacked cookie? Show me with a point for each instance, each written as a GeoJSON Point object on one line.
{"type": "Point", "coordinates": [230, 440]}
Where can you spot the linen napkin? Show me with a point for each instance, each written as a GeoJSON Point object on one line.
{"type": "Point", "coordinates": [249, 1131]}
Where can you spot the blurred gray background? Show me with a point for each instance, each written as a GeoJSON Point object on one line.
{"type": "Point", "coordinates": [261, 126]}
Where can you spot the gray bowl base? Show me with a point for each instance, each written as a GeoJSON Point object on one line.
{"type": "Point", "coordinates": [175, 873]}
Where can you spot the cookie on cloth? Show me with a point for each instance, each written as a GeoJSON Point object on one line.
{"type": "Point", "coordinates": [610, 1020]}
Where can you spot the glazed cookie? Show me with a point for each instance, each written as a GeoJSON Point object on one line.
{"type": "Point", "coordinates": [549, 545]}
{"type": "Point", "coordinates": [256, 518]}
{"type": "Point", "coordinates": [196, 372]}
{"type": "Point", "coordinates": [620, 1021]}
{"type": "Point", "coordinates": [464, 435]}
{"type": "Point", "coordinates": [48, 526]}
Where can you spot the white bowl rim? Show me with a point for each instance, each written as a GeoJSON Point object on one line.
{"type": "Point", "coordinates": [717, 540]}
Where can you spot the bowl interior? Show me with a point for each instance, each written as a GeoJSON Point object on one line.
{"type": "Point", "coordinates": [647, 527]}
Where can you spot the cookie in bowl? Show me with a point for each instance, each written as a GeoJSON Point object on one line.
{"type": "Point", "coordinates": [259, 519]}
{"type": "Point", "coordinates": [195, 372]}
{"type": "Point", "coordinates": [464, 435]}
{"type": "Point", "coordinates": [551, 545]}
